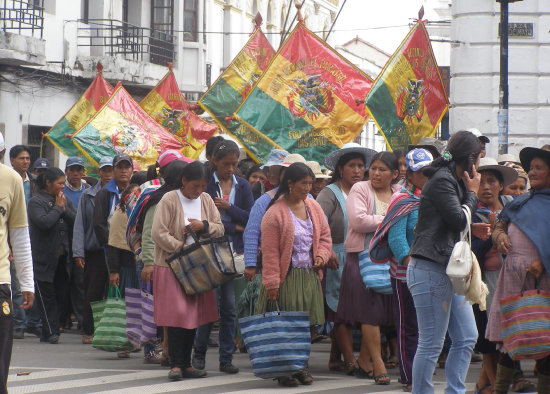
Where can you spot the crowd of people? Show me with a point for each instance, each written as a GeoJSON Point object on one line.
{"type": "Point", "coordinates": [308, 234]}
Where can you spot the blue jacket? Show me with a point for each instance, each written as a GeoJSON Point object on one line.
{"type": "Point", "coordinates": [238, 212]}
{"type": "Point", "coordinates": [83, 234]}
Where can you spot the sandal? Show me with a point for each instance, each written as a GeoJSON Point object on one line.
{"type": "Point", "coordinates": [479, 390]}
{"type": "Point", "coordinates": [392, 362]}
{"type": "Point", "coordinates": [523, 385]}
{"type": "Point", "coordinates": [383, 379]}
{"type": "Point", "coordinates": [350, 369]}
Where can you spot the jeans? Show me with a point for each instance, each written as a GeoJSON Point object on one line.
{"type": "Point", "coordinates": [22, 319]}
{"type": "Point", "coordinates": [225, 295]}
{"type": "Point", "coordinates": [438, 309]}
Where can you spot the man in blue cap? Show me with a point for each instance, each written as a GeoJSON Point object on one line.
{"type": "Point", "coordinates": [74, 185]}
{"type": "Point", "coordinates": [87, 252]}
{"type": "Point", "coordinates": [39, 166]}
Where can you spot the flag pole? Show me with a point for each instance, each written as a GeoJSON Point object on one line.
{"type": "Point", "coordinates": [293, 19]}
{"type": "Point", "coordinates": [335, 19]}
{"type": "Point", "coordinates": [284, 25]}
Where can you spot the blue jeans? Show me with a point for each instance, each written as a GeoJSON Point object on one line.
{"type": "Point", "coordinates": [438, 309]}
{"type": "Point", "coordinates": [22, 319]}
{"type": "Point", "coordinates": [225, 295]}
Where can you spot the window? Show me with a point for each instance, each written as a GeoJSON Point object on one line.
{"type": "Point", "coordinates": [190, 23]}
{"type": "Point", "coordinates": [34, 141]}
{"type": "Point", "coordinates": [161, 16]}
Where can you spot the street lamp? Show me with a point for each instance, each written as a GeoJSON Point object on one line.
{"type": "Point", "coordinates": [503, 91]}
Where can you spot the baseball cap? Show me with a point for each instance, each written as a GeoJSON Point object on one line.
{"type": "Point", "coordinates": [479, 135]}
{"type": "Point", "coordinates": [41, 163]}
{"type": "Point", "coordinates": [74, 161]}
{"type": "Point", "coordinates": [2, 143]}
{"type": "Point", "coordinates": [417, 159]}
{"type": "Point", "coordinates": [122, 157]}
{"type": "Point", "coordinates": [105, 162]}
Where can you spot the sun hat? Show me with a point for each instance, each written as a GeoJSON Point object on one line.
{"type": "Point", "coordinates": [293, 158]}
{"type": "Point", "coordinates": [507, 157]}
{"type": "Point", "coordinates": [432, 145]}
{"type": "Point", "coordinates": [526, 155]}
{"type": "Point", "coordinates": [509, 175]}
{"type": "Point", "coordinates": [479, 135]}
{"type": "Point", "coordinates": [417, 159]}
{"type": "Point", "coordinates": [74, 161]}
{"type": "Point", "coordinates": [316, 168]}
{"type": "Point", "coordinates": [276, 158]}
{"type": "Point", "coordinates": [41, 163]}
{"type": "Point", "coordinates": [106, 162]}
{"type": "Point", "coordinates": [331, 160]}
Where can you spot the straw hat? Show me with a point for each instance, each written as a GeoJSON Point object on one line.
{"type": "Point", "coordinates": [316, 168]}
{"type": "Point", "coordinates": [293, 158]}
{"type": "Point", "coordinates": [509, 175]}
{"type": "Point", "coordinates": [351, 147]}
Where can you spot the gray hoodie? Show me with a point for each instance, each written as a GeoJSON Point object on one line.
{"type": "Point", "coordinates": [83, 234]}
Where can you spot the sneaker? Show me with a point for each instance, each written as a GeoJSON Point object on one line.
{"type": "Point", "coordinates": [34, 330]}
{"type": "Point", "coordinates": [228, 368]}
{"type": "Point", "coordinates": [198, 361]}
{"type": "Point", "coordinates": [87, 339]}
{"type": "Point", "coordinates": [18, 333]}
{"type": "Point", "coordinates": [151, 358]}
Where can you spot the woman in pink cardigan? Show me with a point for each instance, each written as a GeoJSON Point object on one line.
{"type": "Point", "coordinates": [366, 206]}
{"type": "Point", "coordinates": [296, 244]}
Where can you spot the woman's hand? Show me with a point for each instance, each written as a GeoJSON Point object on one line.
{"type": "Point", "coordinates": [503, 244]}
{"type": "Point", "coordinates": [406, 261]}
{"type": "Point", "coordinates": [319, 263]}
{"type": "Point", "coordinates": [147, 273]}
{"type": "Point", "coordinates": [333, 262]}
{"type": "Point", "coordinates": [472, 184]}
{"type": "Point", "coordinates": [272, 294]}
{"type": "Point", "coordinates": [196, 225]}
{"type": "Point", "coordinates": [536, 269]}
{"type": "Point", "coordinates": [114, 279]}
{"type": "Point", "coordinates": [250, 273]}
{"type": "Point", "coordinates": [481, 230]}
{"type": "Point", "coordinates": [239, 228]}
{"type": "Point", "coordinates": [60, 200]}
{"type": "Point", "coordinates": [221, 203]}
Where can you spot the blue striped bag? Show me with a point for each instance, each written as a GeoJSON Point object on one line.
{"type": "Point", "coordinates": [278, 343]}
{"type": "Point", "coordinates": [375, 276]}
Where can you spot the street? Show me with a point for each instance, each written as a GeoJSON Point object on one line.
{"type": "Point", "coordinates": [73, 367]}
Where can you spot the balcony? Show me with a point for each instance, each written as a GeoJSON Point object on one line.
{"type": "Point", "coordinates": [21, 25]}
{"type": "Point", "coordinates": [108, 37]}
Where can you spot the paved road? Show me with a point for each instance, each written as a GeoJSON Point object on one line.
{"type": "Point", "coordinates": [73, 367]}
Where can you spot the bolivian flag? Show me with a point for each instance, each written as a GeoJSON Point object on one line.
{"type": "Point", "coordinates": [122, 126]}
{"type": "Point", "coordinates": [87, 105]}
{"type": "Point", "coordinates": [167, 106]}
{"type": "Point", "coordinates": [232, 87]}
{"type": "Point", "coordinates": [310, 100]}
{"type": "Point", "coordinates": [408, 99]}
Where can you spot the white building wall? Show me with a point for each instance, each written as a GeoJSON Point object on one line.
{"type": "Point", "coordinates": [475, 66]}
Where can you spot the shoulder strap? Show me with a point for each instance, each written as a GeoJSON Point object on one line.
{"type": "Point", "coordinates": [467, 232]}
{"type": "Point", "coordinates": [342, 201]}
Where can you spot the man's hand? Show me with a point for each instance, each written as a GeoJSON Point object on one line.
{"type": "Point", "coordinates": [28, 299]}
{"type": "Point", "coordinates": [249, 273]}
{"type": "Point", "coordinates": [272, 294]}
{"type": "Point", "coordinates": [147, 273]}
{"type": "Point", "coordinates": [114, 279]}
{"type": "Point", "coordinates": [79, 261]}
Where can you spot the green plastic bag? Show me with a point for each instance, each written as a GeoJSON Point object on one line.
{"type": "Point", "coordinates": [110, 327]}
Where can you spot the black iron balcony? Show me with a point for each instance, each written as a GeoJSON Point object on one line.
{"type": "Point", "coordinates": [121, 38]}
{"type": "Point", "coordinates": [19, 16]}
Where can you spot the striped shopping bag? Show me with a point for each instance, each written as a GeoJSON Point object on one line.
{"type": "Point", "coordinates": [278, 343]}
{"type": "Point", "coordinates": [525, 324]}
{"type": "Point", "coordinates": [140, 322]}
{"type": "Point", "coordinates": [375, 276]}
{"type": "Point", "coordinates": [110, 331]}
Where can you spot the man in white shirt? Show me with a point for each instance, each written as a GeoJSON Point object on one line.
{"type": "Point", "coordinates": [13, 221]}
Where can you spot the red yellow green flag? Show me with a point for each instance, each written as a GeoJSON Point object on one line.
{"type": "Point", "coordinates": [122, 126]}
{"type": "Point", "coordinates": [232, 87]}
{"type": "Point", "coordinates": [60, 135]}
{"type": "Point", "coordinates": [167, 106]}
{"type": "Point", "coordinates": [310, 100]}
{"type": "Point", "coordinates": [408, 98]}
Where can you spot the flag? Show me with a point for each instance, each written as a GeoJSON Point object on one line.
{"type": "Point", "coordinates": [408, 98]}
{"type": "Point", "coordinates": [310, 100]}
{"type": "Point", "coordinates": [232, 87]}
{"type": "Point", "coordinates": [167, 106]}
{"type": "Point", "coordinates": [122, 126]}
{"type": "Point", "coordinates": [87, 105]}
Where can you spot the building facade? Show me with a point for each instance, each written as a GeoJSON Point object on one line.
{"type": "Point", "coordinates": [49, 50]}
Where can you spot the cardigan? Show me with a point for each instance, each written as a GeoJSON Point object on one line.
{"type": "Point", "coordinates": [278, 240]}
{"type": "Point", "coordinates": [168, 225]}
{"type": "Point", "coordinates": [239, 210]}
{"type": "Point", "coordinates": [361, 220]}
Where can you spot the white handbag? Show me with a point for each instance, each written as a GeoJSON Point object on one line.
{"type": "Point", "coordinates": [460, 262]}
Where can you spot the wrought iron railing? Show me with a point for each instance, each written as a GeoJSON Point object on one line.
{"type": "Point", "coordinates": [121, 38]}
{"type": "Point", "coordinates": [20, 16]}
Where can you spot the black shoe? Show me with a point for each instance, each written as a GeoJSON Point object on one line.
{"type": "Point", "coordinates": [34, 330]}
{"type": "Point", "coordinates": [193, 374]}
{"type": "Point", "coordinates": [53, 339]}
{"type": "Point", "coordinates": [198, 361]}
{"type": "Point", "coordinates": [18, 333]}
{"type": "Point", "coordinates": [228, 368]}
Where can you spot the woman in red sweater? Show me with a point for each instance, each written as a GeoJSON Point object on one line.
{"type": "Point", "coordinates": [296, 244]}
